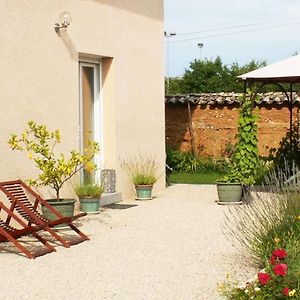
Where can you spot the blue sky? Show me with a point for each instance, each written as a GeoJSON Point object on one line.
{"type": "Point", "coordinates": [275, 36]}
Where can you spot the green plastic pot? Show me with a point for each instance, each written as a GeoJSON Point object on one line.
{"type": "Point", "coordinates": [229, 192]}
{"type": "Point", "coordinates": [90, 205]}
{"type": "Point", "coordinates": [64, 206]}
{"type": "Point", "coordinates": [143, 192]}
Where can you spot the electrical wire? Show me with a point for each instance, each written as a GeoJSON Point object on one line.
{"type": "Point", "coordinates": [233, 27]}
{"type": "Point", "coordinates": [232, 33]}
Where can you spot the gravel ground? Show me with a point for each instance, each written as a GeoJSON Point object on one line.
{"type": "Point", "coordinates": [169, 248]}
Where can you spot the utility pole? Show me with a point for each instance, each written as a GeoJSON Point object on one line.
{"type": "Point", "coordinates": [200, 45]}
{"type": "Point", "coordinates": [168, 35]}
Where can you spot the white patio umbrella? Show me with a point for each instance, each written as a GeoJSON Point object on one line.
{"type": "Point", "coordinates": [287, 70]}
{"type": "Point", "coordinates": [284, 71]}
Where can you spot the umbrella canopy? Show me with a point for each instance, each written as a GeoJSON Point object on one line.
{"type": "Point", "coordinates": [287, 70]}
{"type": "Point", "coordinates": [284, 71]}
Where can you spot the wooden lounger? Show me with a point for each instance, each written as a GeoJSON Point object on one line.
{"type": "Point", "coordinates": [26, 202]}
{"type": "Point", "coordinates": [9, 233]}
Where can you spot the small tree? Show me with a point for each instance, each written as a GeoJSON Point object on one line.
{"type": "Point", "coordinates": [55, 169]}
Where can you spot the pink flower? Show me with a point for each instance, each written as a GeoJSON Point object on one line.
{"type": "Point", "coordinates": [279, 253]}
{"type": "Point", "coordinates": [285, 291]}
{"type": "Point", "coordinates": [280, 269]}
{"type": "Point", "coordinates": [263, 278]}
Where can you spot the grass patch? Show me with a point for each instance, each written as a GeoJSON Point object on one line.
{"type": "Point", "coordinates": [201, 177]}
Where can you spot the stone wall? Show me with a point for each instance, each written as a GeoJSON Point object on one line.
{"type": "Point", "coordinates": [214, 126]}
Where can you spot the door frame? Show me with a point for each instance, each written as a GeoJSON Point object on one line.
{"type": "Point", "coordinates": [97, 122]}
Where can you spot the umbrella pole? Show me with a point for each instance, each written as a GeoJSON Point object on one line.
{"type": "Point", "coordinates": [291, 115]}
{"type": "Point", "coordinates": [245, 87]}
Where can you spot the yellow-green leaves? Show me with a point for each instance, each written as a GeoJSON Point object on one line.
{"type": "Point", "coordinates": [14, 142]}
{"type": "Point", "coordinates": [55, 168]}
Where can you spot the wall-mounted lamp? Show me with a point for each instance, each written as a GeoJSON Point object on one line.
{"type": "Point", "coordinates": [64, 21]}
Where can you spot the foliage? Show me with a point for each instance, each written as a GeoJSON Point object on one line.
{"type": "Point", "coordinates": [280, 279]}
{"type": "Point", "coordinates": [206, 76]}
{"type": "Point", "coordinates": [235, 70]}
{"type": "Point", "coordinates": [211, 76]}
{"type": "Point", "coordinates": [55, 168]}
{"type": "Point", "coordinates": [175, 85]}
{"type": "Point", "coordinates": [188, 162]}
{"type": "Point", "coordinates": [183, 161]}
{"type": "Point", "coordinates": [288, 150]}
{"type": "Point", "coordinates": [88, 190]}
{"type": "Point", "coordinates": [201, 177]}
{"type": "Point", "coordinates": [264, 167]}
{"type": "Point", "coordinates": [245, 159]}
{"type": "Point", "coordinates": [270, 219]}
{"type": "Point", "coordinates": [142, 170]}
{"type": "Point", "coordinates": [144, 179]}
{"type": "Point", "coordinates": [228, 149]}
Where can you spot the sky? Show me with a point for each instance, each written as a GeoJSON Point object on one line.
{"type": "Point", "coordinates": [236, 30]}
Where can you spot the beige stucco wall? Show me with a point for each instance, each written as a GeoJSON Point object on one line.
{"type": "Point", "coordinates": [39, 77]}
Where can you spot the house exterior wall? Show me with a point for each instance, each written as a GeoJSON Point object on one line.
{"type": "Point", "coordinates": [39, 78]}
{"type": "Point", "coordinates": [214, 127]}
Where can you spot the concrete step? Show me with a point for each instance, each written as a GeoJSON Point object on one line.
{"type": "Point", "coordinates": [110, 198]}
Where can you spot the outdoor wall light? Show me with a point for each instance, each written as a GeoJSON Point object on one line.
{"type": "Point", "coordinates": [64, 21]}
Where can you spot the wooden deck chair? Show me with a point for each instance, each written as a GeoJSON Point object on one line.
{"type": "Point", "coordinates": [9, 233]}
{"type": "Point", "coordinates": [26, 203]}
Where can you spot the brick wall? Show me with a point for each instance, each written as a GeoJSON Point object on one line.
{"type": "Point", "coordinates": [214, 126]}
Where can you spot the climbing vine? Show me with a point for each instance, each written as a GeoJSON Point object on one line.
{"type": "Point", "coordinates": [245, 160]}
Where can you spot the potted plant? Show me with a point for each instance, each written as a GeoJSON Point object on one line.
{"type": "Point", "coordinates": [89, 195]}
{"type": "Point", "coordinates": [245, 161]}
{"type": "Point", "coordinates": [230, 188]}
{"type": "Point", "coordinates": [143, 174]}
{"type": "Point", "coordinates": [55, 168]}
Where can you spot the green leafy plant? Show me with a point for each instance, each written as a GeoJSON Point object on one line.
{"type": "Point", "coordinates": [89, 190]}
{"type": "Point", "coordinates": [188, 162]}
{"type": "Point", "coordinates": [142, 170]}
{"type": "Point", "coordinates": [183, 161]}
{"type": "Point", "coordinates": [245, 159]}
{"type": "Point", "coordinates": [55, 168]}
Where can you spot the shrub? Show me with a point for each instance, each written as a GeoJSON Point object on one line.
{"type": "Point", "coordinates": [278, 280]}
{"type": "Point", "coordinates": [188, 162]}
{"type": "Point", "coordinates": [267, 230]}
{"type": "Point", "coordinates": [183, 161]}
{"type": "Point", "coordinates": [269, 219]}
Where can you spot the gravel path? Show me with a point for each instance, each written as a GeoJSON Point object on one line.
{"type": "Point", "coordinates": [169, 248]}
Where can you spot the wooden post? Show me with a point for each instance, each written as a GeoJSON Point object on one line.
{"type": "Point", "coordinates": [191, 128]}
